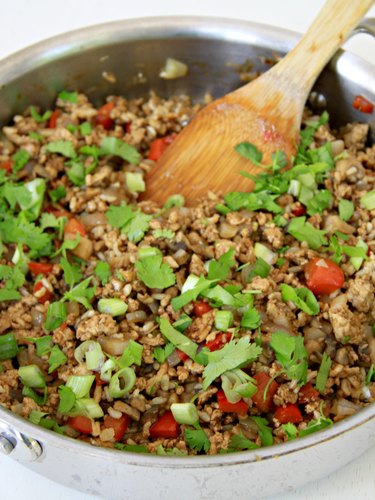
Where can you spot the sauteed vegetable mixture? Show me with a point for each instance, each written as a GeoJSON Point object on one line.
{"type": "Point", "coordinates": [244, 321]}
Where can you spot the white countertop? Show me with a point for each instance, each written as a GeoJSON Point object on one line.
{"type": "Point", "coordinates": [27, 21]}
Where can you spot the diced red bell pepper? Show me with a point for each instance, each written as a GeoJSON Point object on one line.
{"type": "Point", "coordinates": [307, 393]}
{"type": "Point", "coordinates": [57, 212]}
{"type": "Point", "coordinates": [201, 307]}
{"type": "Point", "coordinates": [323, 276]}
{"type": "Point", "coordinates": [264, 402]}
{"type": "Point", "coordinates": [81, 424]}
{"type": "Point", "coordinates": [7, 165]}
{"type": "Point", "coordinates": [74, 226]}
{"type": "Point", "coordinates": [53, 118]}
{"type": "Point", "coordinates": [298, 211]}
{"type": "Point", "coordinates": [165, 426]}
{"type": "Point", "coordinates": [288, 414]}
{"type": "Point", "coordinates": [362, 104]}
{"type": "Point", "coordinates": [47, 295]}
{"type": "Point", "coordinates": [103, 117]}
{"type": "Point", "coordinates": [158, 146]}
{"type": "Point", "coordinates": [40, 268]}
{"type": "Point", "coordinates": [240, 407]}
{"type": "Point", "coordinates": [183, 357]}
{"type": "Point", "coordinates": [119, 425]}
{"type": "Point", "coordinates": [219, 341]}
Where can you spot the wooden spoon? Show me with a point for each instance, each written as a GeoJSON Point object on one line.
{"type": "Point", "coordinates": [266, 112]}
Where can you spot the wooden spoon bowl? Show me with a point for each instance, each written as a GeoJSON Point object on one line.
{"type": "Point", "coordinates": [266, 112]}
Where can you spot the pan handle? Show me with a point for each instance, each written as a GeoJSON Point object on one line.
{"type": "Point", "coordinates": [19, 446]}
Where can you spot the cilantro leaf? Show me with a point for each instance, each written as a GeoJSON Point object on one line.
{"type": "Point", "coordinates": [163, 233]}
{"type": "Point", "coordinates": [64, 148]}
{"type": "Point", "coordinates": [154, 272]}
{"type": "Point", "coordinates": [132, 355]}
{"type": "Point", "coordinates": [67, 399]}
{"type": "Point", "coordinates": [17, 230]}
{"type": "Point", "coordinates": [56, 358]}
{"type": "Point", "coordinates": [368, 200]}
{"type": "Point", "coordinates": [132, 223]}
{"type": "Point", "coordinates": [240, 442]}
{"type": "Point", "coordinates": [197, 440]}
{"type": "Point", "coordinates": [13, 277]}
{"type": "Point", "coordinates": [250, 152]}
{"type": "Point", "coordinates": [112, 146]}
{"type": "Point", "coordinates": [316, 425]}
{"type": "Point", "coordinates": [323, 373]}
{"type": "Point", "coordinates": [346, 209]}
{"type": "Point", "coordinates": [161, 354]}
{"type": "Point", "coordinates": [68, 245]}
{"type": "Point", "coordinates": [39, 118]}
{"type": "Point", "coordinates": [9, 295]}
{"type": "Point", "coordinates": [304, 231]}
{"type": "Point", "coordinates": [103, 271]}
{"type": "Point", "coordinates": [220, 269]}
{"type": "Point", "coordinates": [51, 221]}
{"type": "Point", "coordinates": [290, 430]}
{"type": "Point", "coordinates": [251, 319]}
{"type": "Point", "coordinates": [321, 200]}
{"type": "Point", "coordinates": [192, 293]}
{"type": "Point", "coordinates": [237, 200]}
{"type": "Point", "coordinates": [81, 293]}
{"type": "Point", "coordinates": [264, 431]}
{"type": "Point", "coordinates": [20, 158]}
{"type": "Point", "coordinates": [234, 354]}
{"type": "Point", "coordinates": [291, 354]}
{"type": "Point", "coordinates": [42, 344]}
{"type": "Point", "coordinates": [302, 297]}
{"type": "Point", "coordinates": [66, 96]}
{"type": "Point", "coordinates": [72, 273]}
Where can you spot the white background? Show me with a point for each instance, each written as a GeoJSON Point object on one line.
{"type": "Point", "coordinates": [27, 21]}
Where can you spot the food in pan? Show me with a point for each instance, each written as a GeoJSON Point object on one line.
{"type": "Point", "coordinates": [244, 321]}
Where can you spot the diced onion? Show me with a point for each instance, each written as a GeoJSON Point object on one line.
{"type": "Point", "coordinates": [113, 346]}
{"type": "Point", "coordinates": [173, 69]}
{"type": "Point", "coordinates": [264, 253]}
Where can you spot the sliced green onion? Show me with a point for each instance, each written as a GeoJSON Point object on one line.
{"type": "Point", "coordinates": [80, 384]}
{"type": "Point", "coordinates": [219, 296]}
{"type": "Point", "coordinates": [91, 351]}
{"type": "Point", "coordinates": [223, 320]}
{"type": "Point", "coordinates": [294, 187]}
{"type": "Point", "coordinates": [263, 252]}
{"type": "Point", "coordinates": [135, 182]}
{"type": "Point", "coordinates": [183, 322]}
{"type": "Point", "coordinates": [237, 384]}
{"type": "Point", "coordinates": [132, 355]}
{"type": "Point", "coordinates": [361, 248]}
{"type": "Point", "coordinates": [190, 283]}
{"type": "Point", "coordinates": [87, 407]}
{"type": "Point", "coordinates": [176, 200]}
{"type": "Point", "coordinates": [185, 413]}
{"type": "Point", "coordinates": [114, 307]}
{"type": "Point", "coordinates": [40, 399]}
{"type": "Point", "coordinates": [32, 376]}
{"type": "Point", "coordinates": [67, 399]}
{"type": "Point", "coordinates": [56, 358]}
{"type": "Point", "coordinates": [346, 209]}
{"type": "Point", "coordinates": [8, 346]}
{"type": "Point", "coordinates": [261, 268]}
{"type": "Point", "coordinates": [121, 383]}
{"type": "Point", "coordinates": [368, 200]}
{"type": "Point", "coordinates": [107, 369]}
{"type": "Point", "coordinates": [181, 341]}
{"type": "Point", "coordinates": [323, 373]}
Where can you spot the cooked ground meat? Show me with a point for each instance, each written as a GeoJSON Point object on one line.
{"type": "Point", "coordinates": [243, 321]}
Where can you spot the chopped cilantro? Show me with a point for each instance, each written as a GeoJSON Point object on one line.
{"type": "Point", "coordinates": [346, 209]}
{"type": "Point", "coordinates": [251, 319]}
{"type": "Point", "coordinates": [132, 355]}
{"type": "Point", "coordinates": [240, 442]}
{"type": "Point", "coordinates": [85, 128]}
{"type": "Point", "coordinates": [197, 440]}
{"type": "Point", "coordinates": [264, 431]}
{"type": "Point", "coordinates": [9, 295]}
{"type": "Point", "coordinates": [39, 118]}
{"type": "Point", "coordinates": [304, 231]}
{"type": "Point", "coordinates": [220, 269]}
{"type": "Point", "coordinates": [261, 268]}
{"type": "Point", "coordinates": [234, 354]}
{"type": "Point", "coordinates": [290, 430]}
{"type": "Point", "coordinates": [316, 425]}
{"type": "Point", "coordinates": [323, 373]}
{"type": "Point", "coordinates": [175, 452]}
{"type": "Point", "coordinates": [13, 277]}
{"type": "Point", "coordinates": [81, 293]}
{"type": "Point", "coordinates": [192, 293]}
{"type": "Point", "coordinates": [302, 297]}
{"type": "Point", "coordinates": [162, 353]}
{"type": "Point", "coordinates": [291, 354]}
{"type": "Point", "coordinates": [72, 273]}
{"type": "Point", "coordinates": [20, 158]}
{"type": "Point", "coordinates": [154, 272]}
{"type": "Point", "coordinates": [68, 245]}
{"type": "Point", "coordinates": [76, 173]}
{"type": "Point", "coordinates": [64, 148]}
{"type": "Point", "coordinates": [66, 96]}
{"type": "Point", "coordinates": [56, 358]}
{"type": "Point", "coordinates": [103, 272]}
{"type": "Point", "coordinates": [67, 399]}
{"type": "Point", "coordinates": [368, 200]}
{"type": "Point", "coordinates": [252, 201]}
{"type": "Point", "coordinates": [370, 374]}
{"type": "Point", "coordinates": [112, 146]}
{"type": "Point", "coordinates": [163, 233]}
{"type": "Point", "coordinates": [57, 194]}
{"type": "Point", "coordinates": [250, 152]}
{"type": "Point", "coordinates": [17, 230]}
{"type": "Point", "coordinates": [321, 200]}
{"type": "Point", "coordinates": [36, 136]}
{"type": "Point", "coordinates": [132, 223]}
{"type": "Point", "coordinates": [42, 344]}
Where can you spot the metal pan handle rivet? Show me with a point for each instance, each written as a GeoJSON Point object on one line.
{"type": "Point", "coordinates": [6, 446]}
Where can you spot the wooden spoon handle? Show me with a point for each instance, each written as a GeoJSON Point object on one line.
{"type": "Point", "coordinates": [327, 33]}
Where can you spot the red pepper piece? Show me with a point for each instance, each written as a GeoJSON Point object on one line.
{"type": "Point", "coordinates": [288, 414]}
{"type": "Point", "coordinates": [40, 268]}
{"type": "Point", "coordinates": [81, 424]}
{"type": "Point", "coordinates": [224, 405]}
{"type": "Point", "coordinates": [103, 117]}
{"type": "Point", "coordinates": [307, 393]}
{"type": "Point", "coordinates": [7, 165]}
{"type": "Point", "coordinates": [119, 425]}
{"type": "Point", "coordinates": [298, 211]}
{"type": "Point", "coordinates": [47, 295]}
{"type": "Point", "coordinates": [183, 357]}
{"type": "Point", "coordinates": [201, 308]}
{"type": "Point", "coordinates": [53, 118]}
{"type": "Point", "coordinates": [264, 403]}
{"type": "Point", "coordinates": [165, 426]}
{"type": "Point", "coordinates": [323, 276]}
{"type": "Point", "coordinates": [158, 146]}
{"type": "Point", "coordinates": [74, 226]}
{"type": "Point", "coordinates": [219, 341]}
{"type": "Point", "coordinates": [362, 104]}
